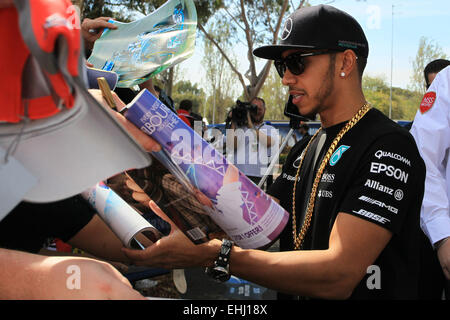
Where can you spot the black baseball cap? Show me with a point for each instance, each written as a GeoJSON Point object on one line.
{"type": "Point", "coordinates": [318, 27]}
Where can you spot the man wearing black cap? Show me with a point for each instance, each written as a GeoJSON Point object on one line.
{"type": "Point", "coordinates": [353, 190]}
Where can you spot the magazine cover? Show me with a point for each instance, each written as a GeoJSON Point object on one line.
{"type": "Point", "coordinates": [175, 197]}
{"type": "Point", "coordinates": [250, 217]}
{"type": "Point", "coordinates": [141, 49]}
{"type": "Point", "coordinates": [129, 226]}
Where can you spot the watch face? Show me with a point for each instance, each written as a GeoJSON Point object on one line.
{"type": "Point", "coordinates": [224, 250]}
{"type": "Point", "coordinates": [226, 247]}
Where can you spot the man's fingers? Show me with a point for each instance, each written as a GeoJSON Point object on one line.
{"type": "Point", "coordinates": [133, 185]}
{"type": "Point", "coordinates": [136, 255]}
{"type": "Point", "coordinates": [146, 142]}
{"type": "Point", "coordinates": [156, 209]}
{"type": "Point", "coordinates": [119, 103]}
{"type": "Point", "coordinates": [140, 197]}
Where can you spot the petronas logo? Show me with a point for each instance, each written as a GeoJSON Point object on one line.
{"type": "Point", "coordinates": [338, 154]}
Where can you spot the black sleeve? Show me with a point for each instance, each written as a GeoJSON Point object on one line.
{"type": "Point", "coordinates": [386, 183]}
{"type": "Point", "coordinates": [29, 225]}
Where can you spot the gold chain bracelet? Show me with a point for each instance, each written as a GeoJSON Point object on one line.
{"type": "Point", "coordinates": [298, 239]}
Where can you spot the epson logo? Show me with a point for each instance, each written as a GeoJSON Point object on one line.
{"type": "Point", "coordinates": [381, 154]}
{"type": "Point", "coordinates": [390, 171]}
{"type": "Point", "coordinates": [372, 216]}
{"type": "Point", "coordinates": [379, 203]}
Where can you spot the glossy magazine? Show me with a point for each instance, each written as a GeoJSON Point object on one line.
{"type": "Point", "coordinates": [220, 192]}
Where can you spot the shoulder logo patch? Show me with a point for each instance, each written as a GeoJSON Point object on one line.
{"type": "Point", "coordinates": [338, 154]}
{"type": "Point", "coordinates": [427, 102]}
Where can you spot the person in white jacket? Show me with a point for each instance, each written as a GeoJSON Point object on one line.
{"type": "Point", "coordinates": [431, 130]}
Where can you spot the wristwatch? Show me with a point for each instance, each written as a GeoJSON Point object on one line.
{"type": "Point", "coordinates": [221, 269]}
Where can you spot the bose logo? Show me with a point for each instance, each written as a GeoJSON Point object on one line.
{"type": "Point", "coordinates": [390, 171]}
{"type": "Point", "coordinates": [372, 216]}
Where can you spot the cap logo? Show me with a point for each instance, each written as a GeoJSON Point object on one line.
{"type": "Point", "coordinates": [427, 101]}
{"type": "Point", "coordinates": [287, 29]}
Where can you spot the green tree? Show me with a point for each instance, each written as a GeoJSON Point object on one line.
{"type": "Point", "coordinates": [428, 51]}
{"type": "Point", "coordinates": [404, 102]}
{"type": "Point", "coordinates": [275, 95]}
{"type": "Point", "coordinates": [186, 90]}
{"type": "Point", "coordinates": [252, 23]}
{"type": "Point", "coordinates": [220, 80]}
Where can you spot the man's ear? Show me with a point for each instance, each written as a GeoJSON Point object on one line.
{"type": "Point", "coordinates": [347, 64]}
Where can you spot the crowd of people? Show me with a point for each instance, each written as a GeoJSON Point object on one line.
{"type": "Point", "coordinates": [368, 200]}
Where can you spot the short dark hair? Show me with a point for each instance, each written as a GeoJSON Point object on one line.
{"type": "Point", "coordinates": [361, 63]}
{"type": "Point", "coordinates": [434, 67]}
{"type": "Point", "coordinates": [186, 105]}
{"type": "Point", "coordinates": [260, 99]}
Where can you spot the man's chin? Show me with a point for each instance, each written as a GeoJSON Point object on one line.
{"type": "Point", "coordinates": [307, 113]}
{"type": "Point", "coordinates": [310, 116]}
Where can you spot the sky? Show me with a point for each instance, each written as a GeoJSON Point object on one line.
{"type": "Point", "coordinates": [412, 20]}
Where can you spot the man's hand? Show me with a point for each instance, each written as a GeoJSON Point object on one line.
{"type": "Point", "coordinates": [91, 29]}
{"type": "Point", "coordinates": [174, 251]}
{"type": "Point", "coordinates": [443, 254]}
{"type": "Point", "coordinates": [144, 140]}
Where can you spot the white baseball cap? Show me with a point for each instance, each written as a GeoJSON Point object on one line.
{"type": "Point", "coordinates": [66, 144]}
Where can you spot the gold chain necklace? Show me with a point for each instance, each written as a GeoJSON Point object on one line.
{"type": "Point", "coordinates": [298, 239]}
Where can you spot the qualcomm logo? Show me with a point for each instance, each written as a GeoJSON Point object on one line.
{"type": "Point", "coordinates": [338, 154]}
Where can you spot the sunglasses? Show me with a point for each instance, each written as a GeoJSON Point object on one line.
{"type": "Point", "coordinates": [295, 62]}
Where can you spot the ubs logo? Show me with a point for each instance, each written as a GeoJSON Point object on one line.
{"type": "Point", "coordinates": [325, 194]}
{"type": "Point", "coordinates": [287, 29]}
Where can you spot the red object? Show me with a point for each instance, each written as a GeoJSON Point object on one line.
{"type": "Point", "coordinates": [185, 115]}
{"type": "Point", "coordinates": [427, 102]}
{"type": "Point", "coordinates": [42, 23]}
{"type": "Point", "coordinates": [62, 246]}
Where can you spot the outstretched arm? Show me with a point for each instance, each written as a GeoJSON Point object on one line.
{"type": "Point", "coordinates": [29, 276]}
{"type": "Point", "coordinates": [333, 273]}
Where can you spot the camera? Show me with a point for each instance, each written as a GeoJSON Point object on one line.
{"type": "Point", "coordinates": [239, 113]}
